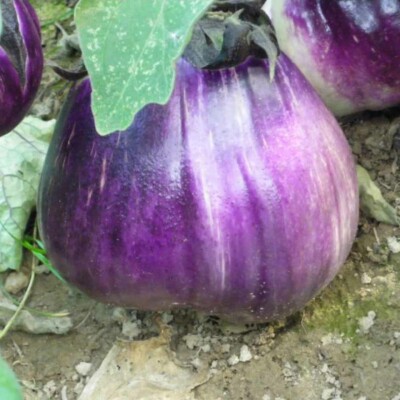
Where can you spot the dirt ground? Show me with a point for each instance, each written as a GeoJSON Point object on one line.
{"type": "Point", "coordinates": [344, 345]}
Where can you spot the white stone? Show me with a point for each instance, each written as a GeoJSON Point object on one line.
{"type": "Point", "coordinates": [197, 363]}
{"type": "Point", "coordinates": [327, 394]}
{"type": "Point", "coordinates": [365, 279]}
{"type": "Point", "coordinates": [327, 339]}
{"type": "Point", "coordinates": [167, 317]}
{"type": "Point", "coordinates": [192, 341]}
{"type": "Point", "coordinates": [50, 388]}
{"type": "Point", "coordinates": [233, 360]}
{"type": "Point", "coordinates": [245, 354]}
{"type": "Point", "coordinates": [226, 348]}
{"type": "Point", "coordinates": [131, 329]}
{"type": "Point", "coordinates": [206, 348]}
{"type": "Point", "coordinates": [15, 282]}
{"type": "Point", "coordinates": [366, 323]}
{"type": "Point", "coordinates": [266, 397]}
{"type": "Point", "coordinates": [393, 244]}
{"type": "Point", "coordinates": [83, 368]}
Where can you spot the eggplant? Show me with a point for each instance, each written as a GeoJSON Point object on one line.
{"type": "Point", "coordinates": [348, 49]}
{"type": "Point", "coordinates": [21, 61]}
{"type": "Point", "coordinates": [238, 197]}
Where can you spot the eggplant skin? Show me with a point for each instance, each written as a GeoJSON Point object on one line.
{"type": "Point", "coordinates": [21, 62]}
{"type": "Point", "coordinates": [238, 197]}
{"type": "Point", "coordinates": [348, 49]}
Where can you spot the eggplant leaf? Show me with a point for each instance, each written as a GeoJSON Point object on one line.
{"type": "Point", "coordinates": [129, 49]}
{"type": "Point", "coordinates": [22, 154]}
{"type": "Point", "coordinates": [9, 386]}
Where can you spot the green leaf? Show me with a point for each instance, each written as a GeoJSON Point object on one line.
{"type": "Point", "coordinates": [22, 154]}
{"type": "Point", "coordinates": [9, 386]}
{"type": "Point", "coordinates": [129, 48]}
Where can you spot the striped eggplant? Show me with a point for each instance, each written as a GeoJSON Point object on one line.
{"type": "Point", "coordinates": [21, 61]}
{"type": "Point", "coordinates": [348, 49]}
{"type": "Point", "coordinates": [238, 197]}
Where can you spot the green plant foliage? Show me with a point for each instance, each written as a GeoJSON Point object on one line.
{"type": "Point", "coordinates": [22, 154]}
{"type": "Point", "coordinates": [129, 48]}
{"type": "Point", "coordinates": [9, 386]}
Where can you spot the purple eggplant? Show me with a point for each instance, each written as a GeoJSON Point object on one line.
{"type": "Point", "coordinates": [21, 62]}
{"type": "Point", "coordinates": [348, 49]}
{"type": "Point", "coordinates": [238, 197]}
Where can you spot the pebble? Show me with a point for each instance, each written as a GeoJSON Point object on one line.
{"type": "Point", "coordinates": [225, 348]}
{"type": "Point", "coordinates": [206, 348]}
{"type": "Point", "coordinates": [233, 360]}
{"type": "Point", "coordinates": [50, 388]}
{"type": "Point", "coordinates": [197, 363]}
{"type": "Point", "coordinates": [327, 393]}
{"type": "Point", "coordinates": [15, 282]}
{"type": "Point", "coordinates": [78, 389]}
{"type": "Point", "coordinates": [266, 397]}
{"type": "Point", "coordinates": [119, 315]}
{"type": "Point", "coordinates": [131, 329]}
{"type": "Point", "coordinates": [397, 397]}
{"type": "Point", "coordinates": [41, 269]}
{"type": "Point", "coordinates": [83, 368]}
{"type": "Point", "coordinates": [365, 279]}
{"type": "Point", "coordinates": [393, 244]}
{"type": "Point", "coordinates": [245, 354]}
{"type": "Point", "coordinates": [192, 341]}
{"type": "Point", "coordinates": [374, 364]}
{"type": "Point", "coordinates": [366, 323]}
{"type": "Point", "coordinates": [167, 317]}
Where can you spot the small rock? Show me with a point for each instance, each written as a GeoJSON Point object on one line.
{"type": "Point", "coordinates": [327, 339]}
{"type": "Point", "coordinates": [393, 244]}
{"type": "Point", "coordinates": [266, 397]}
{"type": "Point", "coordinates": [50, 388]}
{"type": "Point", "coordinates": [245, 354]}
{"type": "Point", "coordinates": [214, 364]}
{"type": "Point", "coordinates": [397, 397]}
{"type": "Point", "coordinates": [79, 388]}
{"type": "Point", "coordinates": [324, 368]}
{"type": "Point", "coordinates": [167, 317]}
{"type": "Point", "coordinates": [192, 341]}
{"type": "Point", "coordinates": [131, 329]}
{"type": "Point", "coordinates": [15, 282]}
{"type": "Point", "coordinates": [83, 368]}
{"type": "Point", "coordinates": [233, 360]}
{"type": "Point", "coordinates": [119, 315]}
{"type": "Point", "coordinates": [226, 348]}
{"type": "Point", "coordinates": [396, 335]}
{"type": "Point", "coordinates": [41, 269]}
{"type": "Point", "coordinates": [327, 394]}
{"type": "Point", "coordinates": [362, 398]}
{"type": "Point", "coordinates": [197, 363]}
{"type": "Point", "coordinates": [366, 323]}
{"type": "Point", "coordinates": [374, 364]}
{"type": "Point", "coordinates": [365, 279]}
{"type": "Point", "coordinates": [206, 348]}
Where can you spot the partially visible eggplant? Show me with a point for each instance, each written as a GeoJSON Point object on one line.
{"type": "Point", "coordinates": [21, 61]}
{"type": "Point", "coordinates": [348, 49]}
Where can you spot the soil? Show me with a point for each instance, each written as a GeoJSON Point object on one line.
{"type": "Point", "coordinates": [344, 345]}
